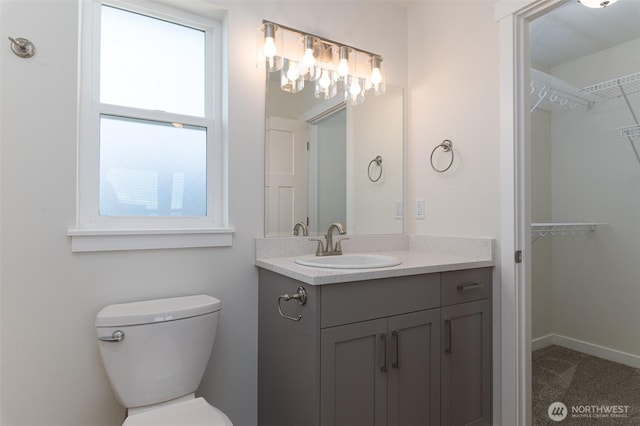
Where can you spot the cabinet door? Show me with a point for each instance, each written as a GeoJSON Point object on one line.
{"type": "Point", "coordinates": [414, 376]}
{"type": "Point", "coordinates": [353, 377]}
{"type": "Point", "coordinates": [466, 364]}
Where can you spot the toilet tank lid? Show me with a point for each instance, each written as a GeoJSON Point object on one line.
{"type": "Point", "coordinates": [158, 310]}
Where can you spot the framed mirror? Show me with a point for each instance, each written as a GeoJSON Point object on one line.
{"type": "Point", "coordinates": [329, 161]}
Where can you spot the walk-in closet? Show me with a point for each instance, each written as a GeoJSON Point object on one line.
{"type": "Point", "coordinates": [584, 98]}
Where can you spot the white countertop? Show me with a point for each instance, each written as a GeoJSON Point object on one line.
{"type": "Point", "coordinates": [416, 259]}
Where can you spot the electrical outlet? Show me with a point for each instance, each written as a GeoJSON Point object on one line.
{"type": "Point", "coordinates": [397, 210]}
{"type": "Point", "coordinates": [419, 209]}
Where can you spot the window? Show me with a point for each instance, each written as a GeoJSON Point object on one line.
{"type": "Point", "coordinates": [151, 172]}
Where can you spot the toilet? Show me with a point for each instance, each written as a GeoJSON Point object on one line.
{"type": "Point", "coordinates": [155, 353]}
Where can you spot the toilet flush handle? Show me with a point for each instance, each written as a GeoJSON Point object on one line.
{"type": "Point", "coordinates": [117, 336]}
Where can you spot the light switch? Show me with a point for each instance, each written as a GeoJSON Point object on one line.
{"type": "Point", "coordinates": [419, 209]}
{"type": "Point", "coordinates": [397, 210]}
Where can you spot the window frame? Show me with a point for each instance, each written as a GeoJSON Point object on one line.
{"type": "Point", "coordinates": [121, 232]}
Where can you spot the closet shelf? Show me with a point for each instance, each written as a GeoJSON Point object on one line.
{"type": "Point", "coordinates": [629, 131]}
{"type": "Point", "coordinates": [557, 94]}
{"type": "Point", "coordinates": [615, 88]}
{"type": "Point", "coordinates": [539, 230]}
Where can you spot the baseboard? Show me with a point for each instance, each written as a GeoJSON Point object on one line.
{"type": "Point", "coordinates": [542, 342]}
{"type": "Point", "coordinates": [586, 348]}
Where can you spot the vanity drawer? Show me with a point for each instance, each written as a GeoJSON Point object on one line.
{"type": "Point", "coordinates": [364, 300]}
{"type": "Point", "coordinates": [466, 285]}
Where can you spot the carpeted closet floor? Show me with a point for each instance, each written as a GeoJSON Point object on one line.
{"type": "Point", "coordinates": [595, 391]}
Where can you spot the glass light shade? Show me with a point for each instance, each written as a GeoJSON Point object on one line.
{"type": "Point", "coordinates": [268, 47]}
{"type": "Point", "coordinates": [343, 62]}
{"type": "Point", "coordinates": [290, 78]}
{"type": "Point", "coordinates": [308, 60]}
{"type": "Point", "coordinates": [326, 87]}
{"type": "Point", "coordinates": [355, 91]}
{"type": "Point", "coordinates": [308, 66]}
{"type": "Point", "coordinates": [376, 81]}
{"type": "Point", "coordinates": [597, 3]}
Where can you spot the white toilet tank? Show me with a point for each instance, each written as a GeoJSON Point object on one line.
{"type": "Point", "coordinates": [164, 349]}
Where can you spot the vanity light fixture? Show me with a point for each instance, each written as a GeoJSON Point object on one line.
{"type": "Point", "coordinates": [597, 3]}
{"type": "Point", "coordinates": [332, 67]}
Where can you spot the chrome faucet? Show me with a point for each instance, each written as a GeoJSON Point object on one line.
{"type": "Point", "coordinates": [330, 249]}
{"type": "Point", "coordinates": [298, 226]}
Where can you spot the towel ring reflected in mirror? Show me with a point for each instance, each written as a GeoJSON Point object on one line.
{"type": "Point", "coordinates": [447, 146]}
{"type": "Point", "coordinates": [378, 162]}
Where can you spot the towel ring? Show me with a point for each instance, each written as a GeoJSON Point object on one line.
{"type": "Point", "coordinates": [378, 161]}
{"type": "Point", "coordinates": [447, 146]}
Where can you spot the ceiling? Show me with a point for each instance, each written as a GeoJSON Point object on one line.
{"type": "Point", "coordinates": [572, 31]}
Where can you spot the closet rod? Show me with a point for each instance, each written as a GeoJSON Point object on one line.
{"type": "Point", "coordinates": [539, 230]}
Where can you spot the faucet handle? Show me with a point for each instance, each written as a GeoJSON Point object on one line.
{"type": "Point", "coordinates": [320, 248]}
{"type": "Point", "coordinates": [338, 245]}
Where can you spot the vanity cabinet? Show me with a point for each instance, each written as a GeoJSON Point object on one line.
{"type": "Point", "coordinates": [466, 348]}
{"type": "Point", "coordinates": [382, 371]}
{"type": "Point", "coordinates": [373, 352]}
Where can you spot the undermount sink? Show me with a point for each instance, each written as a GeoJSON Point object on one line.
{"type": "Point", "coordinates": [350, 261]}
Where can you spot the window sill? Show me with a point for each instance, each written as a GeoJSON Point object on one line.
{"type": "Point", "coordinates": [87, 240]}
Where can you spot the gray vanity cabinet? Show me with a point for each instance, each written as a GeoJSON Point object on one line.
{"type": "Point", "coordinates": [371, 352]}
{"type": "Point", "coordinates": [466, 348]}
{"type": "Point", "coordinates": [382, 372]}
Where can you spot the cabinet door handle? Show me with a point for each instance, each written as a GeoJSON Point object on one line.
{"type": "Point", "coordinates": [447, 334]}
{"type": "Point", "coordinates": [470, 286]}
{"type": "Point", "coordinates": [395, 363]}
{"type": "Point", "coordinates": [385, 352]}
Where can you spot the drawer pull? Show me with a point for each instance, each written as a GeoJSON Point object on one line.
{"type": "Point", "coordinates": [385, 353]}
{"type": "Point", "coordinates": [447, 334]}
{"type": "Point", "coordinates": [470, 286]}
{"type": "Point", "coordinates": [395, 363]}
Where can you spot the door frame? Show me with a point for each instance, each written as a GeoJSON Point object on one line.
{"type": "Point", "coordinates": [514, 358]}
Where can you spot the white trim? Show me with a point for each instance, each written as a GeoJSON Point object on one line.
{"type": "Point", "coordinates": [87, 217]}
{"type": "Point", "coordinates": [515, 380]}
{"type": "Point", "coordinates": [587, 348]}
{"type": "Point", "coordinates": [542, 342]}
{"type": "Point", "coordinates": [84, 240]}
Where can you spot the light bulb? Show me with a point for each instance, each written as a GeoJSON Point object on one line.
{"type": "Point", "coordinates": [376, 76]}
{"type": "Point", "coordinates": [325, 80]}
{"type": "Point", "coordinates": [343, 64]}
{"type": "Point", "coordinates": [308, 60]}
{"type": "Point", "coordinates": [343, 68]}
{"type": "Point", "coordinates": [325, 85]}
{"type": "Point", "coordinates": [269, 48]}
{"type": "Point", "coordinates": [355, 88]}
{"type": "Point", "coordinates": [293, 72]}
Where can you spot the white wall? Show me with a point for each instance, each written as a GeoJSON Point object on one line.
{"type": "Point", "coordinates": [332, 175]}
{"type": "Point", "coordinates": [51, 369]}
{"type": "Point", "coordinates": [453, 94]}
{"type": "Point", "coordinates": [541, 251]}
{"type": "Point", "coordinates": [376, 129]}
{"type": "Point", "coordinates": [596, 178]}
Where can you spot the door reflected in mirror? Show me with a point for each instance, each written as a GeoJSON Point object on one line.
{"type": "Point", "coordinates": [329, 161]}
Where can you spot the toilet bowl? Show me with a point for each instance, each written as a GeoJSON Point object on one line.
{"type": "Point", "coordinates": [155, 353]}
